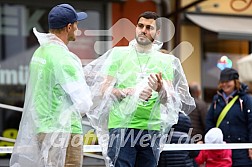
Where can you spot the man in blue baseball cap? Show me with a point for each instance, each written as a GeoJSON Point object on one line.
{"type": "Point", "coordinates": [57, 96]}
{"type": "Point", "coordinates": [65, 17]}
{"type": "Point", "coordinates": [63, 14]}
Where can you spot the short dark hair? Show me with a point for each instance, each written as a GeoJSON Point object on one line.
{"type": "Point", "coordinates": [150, 15]}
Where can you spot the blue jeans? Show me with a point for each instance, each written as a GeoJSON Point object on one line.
{"type": "Point", "coordinates": [133, 147]}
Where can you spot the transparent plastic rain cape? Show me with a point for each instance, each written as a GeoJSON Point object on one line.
{"type": "Point", "coordinates": [124, 67]}
{"type": "Point", "coordinates": [53, 105]}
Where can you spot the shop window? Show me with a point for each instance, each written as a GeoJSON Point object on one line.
{"type": "Point", "coordinates": [213, 50]}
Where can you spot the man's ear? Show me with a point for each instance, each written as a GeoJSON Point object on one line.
{"type": "Point", "coordinates": [158, 32]}
{"type": "Point", "coordinates": [68, 27]}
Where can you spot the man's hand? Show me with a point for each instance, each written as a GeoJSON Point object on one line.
{"type": "Point", "coordinates": [129, 91]}
{"type": "Point", "coordinates": [145, 94]}
{"type": "Point", "coordinates": [122, 93]}
{"type": "Point", "coordinates": [155, 81]}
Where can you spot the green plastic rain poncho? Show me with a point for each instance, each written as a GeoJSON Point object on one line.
{"type": "Point", "coordinates": [124, 67]}
{"type": "Point", "coordinates": [56, 98]}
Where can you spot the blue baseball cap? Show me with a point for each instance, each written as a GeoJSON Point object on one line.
{"type": "Point", "coordinates": [63, 14]}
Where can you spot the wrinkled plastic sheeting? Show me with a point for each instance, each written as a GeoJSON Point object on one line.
{"type": "Point", "coordinates": [39, 148]}
{"type": "Point", "coordinates": [176, 89]}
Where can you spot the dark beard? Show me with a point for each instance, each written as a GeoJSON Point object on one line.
{"type": "Point", "coordinates": [146, 42]}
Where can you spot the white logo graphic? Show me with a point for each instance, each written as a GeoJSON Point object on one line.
{"type": "Point", "coordinates": [124, 28]}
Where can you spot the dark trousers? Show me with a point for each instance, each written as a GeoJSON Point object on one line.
{"type": "Point", "coordinates": [133, 147]}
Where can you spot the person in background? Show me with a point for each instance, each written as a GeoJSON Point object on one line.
{"type": "Point", "coordinates": [180, 134]}
{"type": "Point", "coordinates": [56, 98]}
{"type": "Point", "coordinates": [231, 112]}
{"type": "Point", "coordinates": [214, 158]}
{"type": "Point", "coordinates": [198, 115]}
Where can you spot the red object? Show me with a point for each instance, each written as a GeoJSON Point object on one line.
{"type": "Point", "coordinates": [215, 158]}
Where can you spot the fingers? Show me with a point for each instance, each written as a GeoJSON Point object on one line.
{"type": "Point", "coordinates": [159, 77]}
{"type": "Point", "coordinates": [152, 82]}
{"type": "Point", "coordinates": [155, 81]}
{"type": "Point", "coordinates": [146, 94]}
{"type": "Point", "coordinates": [130, 91]}
{"type": "Point", "coordinates": [159, 81]}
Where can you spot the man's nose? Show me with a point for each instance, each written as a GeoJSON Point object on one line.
{"type": "Point", "coordinates": [144, 30]}
{"type": "Point", "coordinates": [144, 33]}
